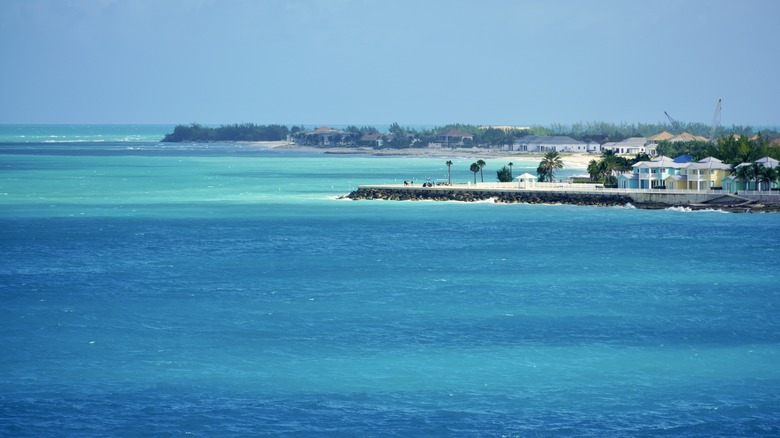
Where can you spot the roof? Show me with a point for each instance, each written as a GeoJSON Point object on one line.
{"type": "Point", "coordinates": [628, 176]}
{"type": "Point", "coordinates": [767, 162]}
{"type": "Point", "coordinates": [324, 130]}
{"type": "Point", "coordinates": [677, 177]}
{"type": "Point", "coordinates": [507, 127]}
{"type": "Point", "coordinates": [631, 142]}
{"type": "Point", "coordinates": [684, 158]}
{"type": "Point", "coordinates": [660, 161]}
{"type": "Point", "coordinates": [548, 139]}
{"type": "Point", "coordinates": [454, 133]}
{"type": "Point", "coordinates": [709, 163]}
{"type": "Point", "coordinates": [526, 176]}
{"type": "Point", "coordinates": [661, 136]}
{"type": "Point", "coordinates": [686, 136]}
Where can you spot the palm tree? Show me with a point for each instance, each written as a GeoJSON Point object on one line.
{"type": "Point", "coordinates": [549, 164]}
{"type": "Point", "coordinates": [757, 174]}
{"type": "Point", "coordinates": [768, 175]}
{"type": "Point", "coordinates": [745, 173]}
{"type": "Point", "coordinates": [449, 174]}
{"type": "Point", "coordinates": [475, 168]}
{"type": "Point", "coordinates": [481, 164]}
{"type": "Point", "coordinates": [594, 170]}
{"type": "Point", "coordinates": [510, 170]}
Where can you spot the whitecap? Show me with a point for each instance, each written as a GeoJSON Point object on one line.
{"type": "Point", "coordinates": [690, 210]}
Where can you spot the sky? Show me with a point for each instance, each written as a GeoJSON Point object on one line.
{"type": "Point", "coordinates": [375, 62]}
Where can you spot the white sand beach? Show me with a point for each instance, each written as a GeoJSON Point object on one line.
{"type": "Point", "coordinates": [570, 160]}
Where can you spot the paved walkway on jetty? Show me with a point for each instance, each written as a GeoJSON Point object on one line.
{"type": "Point", "coordinates": [577, 194]}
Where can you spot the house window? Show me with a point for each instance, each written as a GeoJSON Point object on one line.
{"type": "Point", "coordinates": [712, 184]}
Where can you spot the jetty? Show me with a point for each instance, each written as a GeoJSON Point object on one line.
{"type": "Point", "coordinates": [574, 194]}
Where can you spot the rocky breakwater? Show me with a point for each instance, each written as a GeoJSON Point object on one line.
{"type": "Point", "coordinates": [553, 197]}
{"type": "Point", "coordinates": [524, 197]}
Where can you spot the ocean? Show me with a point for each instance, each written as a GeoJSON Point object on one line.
{"type": "Point", "coordinates": [156, 289]}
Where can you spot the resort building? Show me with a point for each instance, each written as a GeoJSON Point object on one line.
{"type": "Point", "coordinates": [650, 174]}
{"type": "Point", "coordinates": [661, 136]}
{"type": "Point", "coordinates": [682, 173]}
{"type": "Point", "coordinates": [733, 182]}
{"type": "Point", "coordinates": [451, 138]}
{"type": "Point", "coordinates": [704, 174]}
{"type": "Point", "coordinates": [324, 136]}
{"type": "Point", "coordinates": [767, 162]}
{"type": "Point", "coordinates": [632, 145]}
{"type": "Point", "coordinates": [544, 143]}
{"type": "Point", "coordinates": [685, 136]}
{"type": "Point", "coordinates": [373, 140]}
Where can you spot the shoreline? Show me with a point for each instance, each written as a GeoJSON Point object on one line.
{"type": "Point", "coordinates": [570, 160]}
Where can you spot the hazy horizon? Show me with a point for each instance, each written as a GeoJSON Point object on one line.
{"type": "Point", "coordinates": [360, 61]}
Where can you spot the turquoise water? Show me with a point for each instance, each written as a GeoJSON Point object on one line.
{"type": "Point", "coordinates": [170, 290]}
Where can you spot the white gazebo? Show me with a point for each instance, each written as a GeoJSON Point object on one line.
{"type": "Point", "coordinates": [526, 180]}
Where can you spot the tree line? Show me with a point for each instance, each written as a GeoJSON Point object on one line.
{"type": "Point", "coordinates": [237, 132]}
{"type": "Point", "coordinates": [400, 137]}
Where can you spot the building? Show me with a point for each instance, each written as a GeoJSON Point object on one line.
{"type": "Point", "coordinates": [738, 183]}
{"type": "Point", "coordinates": [526, 181]}
{"type": "Point", "coordinates": [661, 136]}
{"type": "Point", "coordinates": [325, 136]}
{"type": "Point", "coordinates": [373, 140]}
{"type": "Point", "coordinates": [451, 138]}
{"type": "Point", "coordinates": [685, 136]}
{"type": "Point", "coordinates": [545, 143]}
{"type": "Point", "coordinates": [650, 174]}
{"type": "Point", "coordinates": [632, 145]}
{"type": "Point", "coordinates": [706, 174]}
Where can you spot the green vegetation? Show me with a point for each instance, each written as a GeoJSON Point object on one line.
{"type": "Point", "coordinates": [504, 174]}
{"type": "Point", "coordinates": [481, 164]}
{"type": "Point", "coordinates": [237, 132]}
{"type": "Point", "coordinates": [399, 137]}
{"type": "Point", "coordinates": [549, 164]}
{"type": "Point", "coordinates": [731, 149]}
{"type": "Point", "coordinates": [475, 168]}
{"type": "Point", "coordinates": [609, 166]}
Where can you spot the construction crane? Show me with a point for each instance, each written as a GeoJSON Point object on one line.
{"type": "Point", "coordinates": [677, 126]}
{"type": "Point", "coordinates": [715, 122]}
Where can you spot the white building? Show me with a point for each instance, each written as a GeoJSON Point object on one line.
{"type": "Point", "coordinates": [544, 143]}
{"type": "Point", "coordinates": [632, 145]}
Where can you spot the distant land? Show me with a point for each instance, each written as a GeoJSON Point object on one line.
{"type": "Point", "coordinates": [399, 137]}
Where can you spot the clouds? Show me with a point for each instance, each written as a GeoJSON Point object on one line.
{"type": "Point", "coordinates": [353, 61]}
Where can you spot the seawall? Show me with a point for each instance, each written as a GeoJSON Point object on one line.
{"type": "Point", "coordinates": [655, 200]}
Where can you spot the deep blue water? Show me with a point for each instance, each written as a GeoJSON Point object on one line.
{"type": "Point", "coordinates": [158, 290]}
